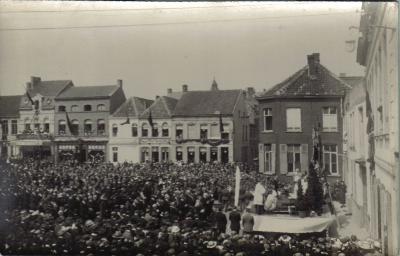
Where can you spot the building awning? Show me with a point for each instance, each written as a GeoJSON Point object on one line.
{"type": "Point", "coordinates": [32, 143]}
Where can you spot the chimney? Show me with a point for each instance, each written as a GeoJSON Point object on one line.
{"type": "Point", "coordinates": [250, 91]}
{"type": "Point", "coordinates": [29, 86]}
{"type": "Point", "coordinates": [313, 61]}
{"type": "Point", "coordinates": [184, 88]}
{"type": "Point", "coordinates": [35, 80]}
{"type": "Point", "coordinates": [214, 86]}
{"type": "Point", "coordinates": [157, 97]}
{"type": "Point", "coordinates": [119, 83]}
{"type": "Point", "coordinates": [316, 57]}
{"type": "Point", "coordinates": [169, 90]}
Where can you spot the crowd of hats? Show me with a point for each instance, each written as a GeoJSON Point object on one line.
{"type": "Point", "coordinates": [132, 209]}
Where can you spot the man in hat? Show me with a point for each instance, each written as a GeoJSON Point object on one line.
{"type": "Point", "coordinates": [221, 221]}
{"type": "Point", "coordinates": [235, 217]}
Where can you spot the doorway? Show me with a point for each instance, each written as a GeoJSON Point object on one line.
{"type": "Point", "coordinates": [224, 154]}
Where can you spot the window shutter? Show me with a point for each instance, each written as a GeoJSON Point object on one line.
{"type": "Point", "coordinates": [273, 150]}
{"type": "Point", "coordinates": [283, 158]}
{"type": "Point", "coordinates": [261, 157]}
{"type": "Point", "coordinates": [304, 157]}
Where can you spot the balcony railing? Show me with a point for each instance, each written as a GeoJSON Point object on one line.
{"type": "Point", "coordinates": [100, 133]}
{"type": "Point", "coordinates": [34, 136]}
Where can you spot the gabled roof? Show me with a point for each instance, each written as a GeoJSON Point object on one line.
{"type": "Point", "coordinates": [9, 106]}
{"type": "Point", "coordinates": [162, 107]}
{"type": "Point", "coordinates": [86, 92]}
{"type": "Point", "coordinates": [175, 95]}
{"type": "Point", "coordinates": [49, 88]}
{"type": "Point", "coordinates": [133, 107]}
{"type": "Point", "coordinates": [206, 103]}
{"type": "Point", "coordinates": [301, 84]}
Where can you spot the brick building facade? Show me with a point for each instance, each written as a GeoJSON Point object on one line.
{"type": "Point", "coordinates": [310, 98]}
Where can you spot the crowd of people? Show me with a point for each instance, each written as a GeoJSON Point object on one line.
{"type": "Point", "coordinates": [138, 209]}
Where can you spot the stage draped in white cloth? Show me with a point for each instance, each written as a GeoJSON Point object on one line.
{"type": "Point", "coordinates": [291, 224]}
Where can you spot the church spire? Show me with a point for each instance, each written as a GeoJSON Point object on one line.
{"type": "Point", "coordinates": [214, 85]}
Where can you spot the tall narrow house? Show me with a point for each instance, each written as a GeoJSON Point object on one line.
{"type": "Point", "coordinates": [310, 98]}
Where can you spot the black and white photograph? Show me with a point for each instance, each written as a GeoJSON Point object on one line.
{"type": "Point", "coordinates": [199, 128]}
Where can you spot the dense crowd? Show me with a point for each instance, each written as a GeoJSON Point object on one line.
{"type": "Point", "coordinates": [133, 209]}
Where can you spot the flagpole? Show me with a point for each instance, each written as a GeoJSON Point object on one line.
{"type": "Point", "coordinates": [237, 186]}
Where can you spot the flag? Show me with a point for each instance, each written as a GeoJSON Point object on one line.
{"type": "Point", "coordinates": [237, 186]}
{"type": "Point", "coordinates": [69, 124]}
{"type": "Point", "coordinates": [30, 98]}
{"type": "Point", "coordinates": [150, 120]}
{"type": "Point", "coordinates": [221, 125]}
{"type": "Point", "coordinates": [126, 122]}
{"type": "Point", "coordinates": [127, 117]}
{"type": "Point", "coordinates": [370, 131]}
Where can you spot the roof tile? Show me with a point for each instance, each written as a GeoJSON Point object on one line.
{"type": "Point", "coordinates": [204, 103]}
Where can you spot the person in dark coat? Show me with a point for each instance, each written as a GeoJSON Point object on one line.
{"type": "Point", "coordinates": [221, 221]}
{"type": "Point", "coordinates": [235, 217]}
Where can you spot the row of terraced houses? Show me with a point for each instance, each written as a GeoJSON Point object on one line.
{"type": "Point", "coordinates": [271, 129]}
{"type": "Point", "coordinates": [62, 121]}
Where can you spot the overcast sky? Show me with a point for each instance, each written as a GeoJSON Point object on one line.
{"type": "Point", "coordinates": [240, 44]}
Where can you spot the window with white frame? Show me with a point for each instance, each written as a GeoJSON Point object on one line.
{"type": "Point", "coordinates": [267, 158]}
{"type": "Point", "coordinates": [61, 127]}
{"type": "Point", "coordinates": [145, 130]}
{"type": "Point", "coordinates": [87, 127]}
{"type": "Point", "coordinates": [101, 127]}
{"type": "Point", "coordinates": [267, 119]}
{"type": "Point", "coordinates": [115, 154]}
{"type": "Point", "coordinates": [165, 130]}
{"type": "Point", "coordinates": [293, 157]}
{"type": "Point", "coordinates": [114, 130]}
{"type": "Point", "coordinates": [179, 131]}
{"type": "Point", "coordinates": [134, 130]}
{"type": "Point", "coordinates": [331, 159]}
{"type": "Point", "coordinates": [329, 119]}
{"type": "Point", "coordinates": [293, 120]}
{"type": "Point", "coordinates": [46, 124]}
{"type": "Point", "coordinates": [14, 126]}
{"type": "Point", "coordinates": [203, 131]}
{"type": "Point", "coordinates": [154, 130]}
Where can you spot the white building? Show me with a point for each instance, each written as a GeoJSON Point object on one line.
{"type": "Point", "coordinates": [36, 121]}
{"type": "Point", "coordinates": [9, 119]}
{"type": "Point", "coordinates": [378, 52]}
{"type": "Point", "coordinates": [358, 176]}
{"type": "Point", "coordinates": [123, 144]}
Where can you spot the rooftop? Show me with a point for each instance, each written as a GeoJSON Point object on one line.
{"type": "Point", "coordinates": [83, 92]}
{"type": "Point", "coordinates": [312, 80]}
{"type": "Point", "coordinates": [9, 106]}
{"type": "Point", "coordinates": [206, 103]}
{"type": "Point", "coordinates": [49, 88]}
{"type": "Point", "coordinates": [133, 107]}
{"type": "Point", "coordinates": [162, 107]}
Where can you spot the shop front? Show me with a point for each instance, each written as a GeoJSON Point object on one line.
{"type": "Point", "coordinates": [38, 149]}
{"type": "Point", "coordinates": [83, 151]}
